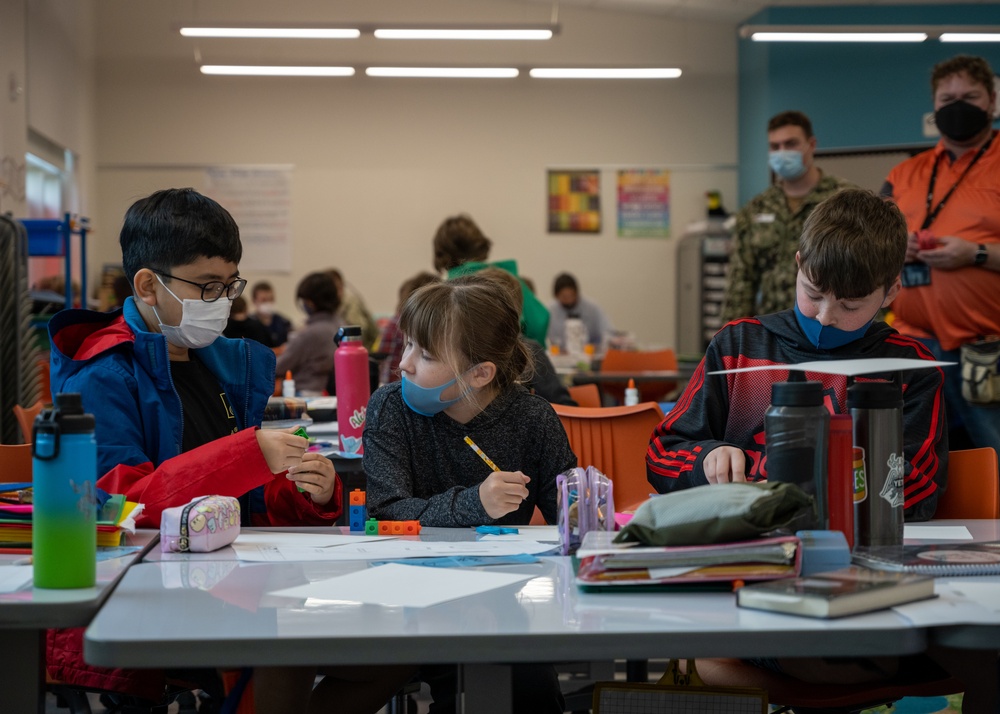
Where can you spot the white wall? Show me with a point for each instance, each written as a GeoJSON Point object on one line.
{"type": "Point", "coordinates": [379, 163]}
{"type": "Point", "coordinates": [13, 105]}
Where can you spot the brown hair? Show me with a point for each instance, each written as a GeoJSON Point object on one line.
{"type": "Point", "coordinates": [467, 321]}
{"type": "Point", "coordinates": [319, 289]}
{"type": "Point", "coordinates": [459, 240]}
{"type": "Point", "coordinates": [791, 118]}
{"type": "Point", "coordinates": [411, 285]}
{"type": "Point", "coordinates": [977, 68]}
{"type": "Point", "coordinates": [853, 244]}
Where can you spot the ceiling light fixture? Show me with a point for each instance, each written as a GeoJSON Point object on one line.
{"type": "Point", "coordinates": [479, 72]}
{"type": "Point", "coordinates": [970, 37]}
{"type": "Point", "coordinates": [606, 73]}
{"type": "Point", "coordinates": [295, 32]}
{"type": "Point", "coordinates": [820, 36]}
{"type": "Point", "coordinates": [276, 71]}
{"type": "Point", "coordinates": [870, 33]}
{"type": "Point", "coordinates": [464, 33]}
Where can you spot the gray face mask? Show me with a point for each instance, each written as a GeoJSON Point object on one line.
{"type": "Point", "coordinates": [201, 322]}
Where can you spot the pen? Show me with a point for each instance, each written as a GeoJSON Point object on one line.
{"type": "Point", "coordinates": [483, 456]}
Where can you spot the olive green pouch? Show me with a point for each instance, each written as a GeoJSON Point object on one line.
{"type": "Point", "coordinates": [717, 513]}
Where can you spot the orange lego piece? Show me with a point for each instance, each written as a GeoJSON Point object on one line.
{"type": "Point", "coordinates": [357, 497]}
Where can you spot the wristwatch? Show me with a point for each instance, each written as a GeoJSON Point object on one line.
{"type": "Point", "coordinates": [981, 255]}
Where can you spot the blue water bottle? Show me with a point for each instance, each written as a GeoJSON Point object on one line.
{"type": "Point", "coordinates": [64, 517]}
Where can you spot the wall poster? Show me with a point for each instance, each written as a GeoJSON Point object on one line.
{"type": "Point", "coordinates": [644, 203]}
{"type": "Point", "coordinates": [574, 201]}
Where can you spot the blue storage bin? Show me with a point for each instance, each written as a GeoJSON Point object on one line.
{"type": "Point", "coordinates": [45, 237]}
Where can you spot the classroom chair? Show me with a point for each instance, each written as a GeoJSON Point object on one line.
{"type": "Point", "coordinates": [615, 440]}
{"type": "Point", "coordinates": [26, 419]}
{"type": "Point", "coordinates": [639, 361]}
{"type": "Point", "coordinates": [15, 463]}
{"type": "Point", "coordinates": [585, 395]}
{"type": "Point", "coordinates": [973, 485]}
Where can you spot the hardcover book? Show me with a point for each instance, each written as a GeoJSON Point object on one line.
{"type": "Point", "coordinates": [837, 593]}
{"type": "Point", "coordinates": [933, 558]}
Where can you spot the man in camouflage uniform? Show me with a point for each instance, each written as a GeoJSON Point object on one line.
{"type": "Point", "coordinates": [766, 236]}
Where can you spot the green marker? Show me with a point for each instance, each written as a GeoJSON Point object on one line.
{"type": "Point", "coordinates": [301, 431]}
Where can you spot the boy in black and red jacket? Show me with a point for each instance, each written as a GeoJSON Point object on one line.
{"type": "Point", "coordinates": [850, 256]}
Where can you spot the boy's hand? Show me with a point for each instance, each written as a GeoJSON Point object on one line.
{"type": "Point", "coordinates": [724, 464]}
{"type": "Point", "coordinates": [281, 448]}
{"type": "Point", "coordinates": [314, 474]}
{"type": "Point", "coordinates": [503, 492]}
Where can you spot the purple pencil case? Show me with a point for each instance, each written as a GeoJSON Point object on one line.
{"type": "Point", "coordinates": [205, 524]}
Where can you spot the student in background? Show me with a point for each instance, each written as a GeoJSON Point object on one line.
{"type": "Point", "coordinates": [461, 248]}
{"type": "Point", "coordinates": [353, 311]}
{"type": "Point", "coordinates": [460, 370]}
{"type": "Point", "coordinates": [390, 339]}
{"type": "Point", "coordinates": [849, 259]}
{"type": "Point", "coordinates": [309, 354]}
{"type": "Point", "coordinates": [240, 326]}
{"type": "Point", "coordinates": [569, 304]}
{"type": "Point", "coordinates": [163, 356]}
{"type": "Point", "coordinates": [277, 324]}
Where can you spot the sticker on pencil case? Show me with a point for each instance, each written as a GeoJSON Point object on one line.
{"type": "Point", "coordinates": [959, 556]}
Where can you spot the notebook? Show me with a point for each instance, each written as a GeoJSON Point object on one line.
{"type": "Point", "coordinates": [939, 559]}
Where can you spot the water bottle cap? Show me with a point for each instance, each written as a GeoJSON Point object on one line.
{"type": "Point", "coordinates": [70, 415]}
{"type": "Point", "coordinates": [797, 394]}
{"type": "Point", "coordinates": [351, 330]}
{"type": "Point", "coordinates": [874, 395]}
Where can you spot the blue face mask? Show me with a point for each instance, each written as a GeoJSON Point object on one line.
{"type": "Point", "coordinates": [787, 164]}
{"type": "Point", "coordinates": [827, 337]}
{"type": "Point", "coordinates": [426, 401]}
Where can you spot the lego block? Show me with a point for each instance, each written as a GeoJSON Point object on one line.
{"type": "Point", "coordinates": [371, 527]}
{"type": "Point", "coordinates": [384, 527]}
{"type": "Point", "coordinates": [396, 527]}
{"type": "Point", "coordinates": [357, 497]}
{"type": "Point", "coordinates": [410, 527]}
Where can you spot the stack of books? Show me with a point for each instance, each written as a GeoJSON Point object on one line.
{"type": "Point", "coordinates": [15, 523]}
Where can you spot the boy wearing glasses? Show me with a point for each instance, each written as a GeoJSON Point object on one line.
{"type": "Point", "coordinates": [177, 406]}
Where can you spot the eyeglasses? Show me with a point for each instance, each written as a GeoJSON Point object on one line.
{"type": "Point", "coordinates": [210, 292]}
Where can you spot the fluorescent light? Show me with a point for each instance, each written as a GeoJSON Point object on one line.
{"type": "Point", "coordinates": [298, 33]}
{"type": "Point", "coordinates": [611, 73]}
{"type": "Point", "coordinates": [462, 34]}
{"type": "Point", "coordinates": [838, 36]}
{"type": "Point", "coordinates": [487, 72]}
{"type": "Point", "coordinates": [277, 71]}
{"type": "Point", "coordinates": [970, 37]}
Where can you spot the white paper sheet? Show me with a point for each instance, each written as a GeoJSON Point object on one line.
{"type": "Point", "coordinates": [384, 548]}
{"type": "Point", "coordinates": [965, 600]}
{"type": "Point", "coordinates": [15, 577]}
{"type": "Point", "coordinates": [847, 367]}
{"type": "Point", "coordinates": [294, 547]}
{"type": "Point", "coordinates": [931, 532]}
{"type": "Point", "coordinates": [395, 585]}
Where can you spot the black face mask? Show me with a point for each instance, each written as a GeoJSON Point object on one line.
{"type": "Point", "coordinates": [960, 120]}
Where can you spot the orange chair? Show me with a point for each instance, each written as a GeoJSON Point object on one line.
{"type": "Point", "coordinates": [585, 395]}
{"type": "Point", "coordinates": [614, 439]}
{"type": "Point", "coordinates": [629, 361]}
{"type": "Point", "coordinates": [26, 418]}
{"type": "Point", "coordinates": [15, 463]}
{"type": "Point", "coordinates": [973, 485]}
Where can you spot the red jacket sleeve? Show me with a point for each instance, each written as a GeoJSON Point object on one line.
{"type": "Point", "coordinates": [230, 466]}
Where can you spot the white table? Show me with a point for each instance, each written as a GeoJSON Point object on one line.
{"type": "Point", "coordinates": [202, 612]}
{"type": "Point", "coordinates": [26, 614]}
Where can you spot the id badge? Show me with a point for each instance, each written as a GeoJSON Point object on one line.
{"type": "Point", "coordinates": [915, 274]}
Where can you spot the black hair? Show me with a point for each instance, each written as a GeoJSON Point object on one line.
{"type": "Point", "coordinates": [260, 287]}
{"type": "Point", "coordinates": [320, 290]}
{"type": "Point", "coordinates": [177, 226]}
{"type": "Point", "coordinates": [563, 281]}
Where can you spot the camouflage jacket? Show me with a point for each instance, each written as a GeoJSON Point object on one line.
{"type": "Point", "coordinates": [762, 260]}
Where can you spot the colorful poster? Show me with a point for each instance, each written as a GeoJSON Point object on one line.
{"type": "Point", "coordinates": [644, 203]}
{"type": "Point", "coordinates": [574, 201]}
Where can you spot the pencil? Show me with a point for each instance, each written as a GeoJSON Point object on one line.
{"type": "Point", "coordinates": [484, 457]}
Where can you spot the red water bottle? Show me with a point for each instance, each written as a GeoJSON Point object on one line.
{"type": "Point", "coordinates": [840, 476]}
{"type": "Point", "coordinates": [350, 363]}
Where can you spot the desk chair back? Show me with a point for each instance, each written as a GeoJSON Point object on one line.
{"type": "Point", "coordinates": [973, 485]}
{"type": "Point", "coordinates": [26, 418]}
{"type": "Point", "coordinates": [631, 361]}
{"type": "Point", "coordinates": [15, 463]}
{"type": "Point", "coordinates": [615, 440]}
{"type": "Point", "coordinates": [585, 395]}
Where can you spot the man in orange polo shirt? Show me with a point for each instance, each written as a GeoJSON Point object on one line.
{"type": "Point", "coordinates": [950, 196]}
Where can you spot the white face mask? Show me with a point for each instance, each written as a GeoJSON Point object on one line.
{"type": "Point", "coordinates": [201, 322]}
{"type": "Point", "coordinates": [265, 308]}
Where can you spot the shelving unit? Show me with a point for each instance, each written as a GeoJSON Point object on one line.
{"type": "Point", "coordinates": [53, 238]}
{"type": "Point", "coordinates": [702, 267]}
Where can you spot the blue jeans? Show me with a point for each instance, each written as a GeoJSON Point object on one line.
{"type": "Point", "coordinates": [981, 421]}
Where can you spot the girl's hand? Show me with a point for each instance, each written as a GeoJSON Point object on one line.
{"type": "Point", "coordinates": [503, 492]}
{"type": "Point", "coordinates": [316, 476]}
{"type": "Point", "coordinates": [281, 448]}
{"type": "Point", "coordinates": [724, 464]}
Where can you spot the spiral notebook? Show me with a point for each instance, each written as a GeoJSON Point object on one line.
{"type": "Point", "coordinates": [933, 559]}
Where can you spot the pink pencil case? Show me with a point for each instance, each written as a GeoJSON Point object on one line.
{"type": "Point", "coordinates": [205, 524]}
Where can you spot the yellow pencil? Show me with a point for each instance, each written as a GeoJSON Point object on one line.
{"type": "Point", "coordinates": [483, 456]}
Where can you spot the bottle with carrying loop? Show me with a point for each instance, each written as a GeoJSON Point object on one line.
{"type": "Point", "coordinates": [351, 378]}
